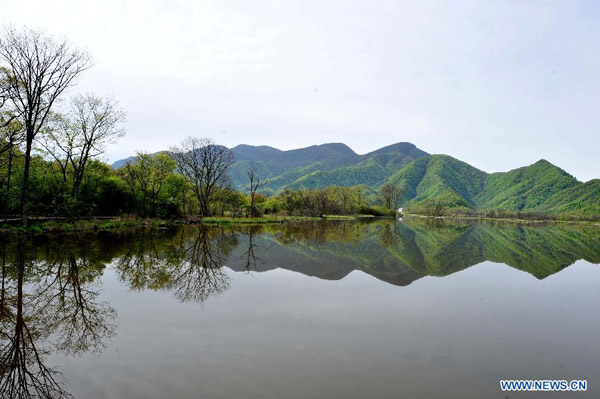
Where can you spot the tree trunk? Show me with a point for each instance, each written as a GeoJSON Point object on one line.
{"type": "Point", "coordinates": [25, 187]}
{"type": "Point", "coordinates": [2, 307]}
{"type": "Point", "coordinates": [10, 161]}
{"type": "Point", "coordinates": [20, 279]}
{"type": "Point", "coordinates": [204, 204]}
{"type": "Point", "coordinates": [183, 200]}
{"type": "Point", "coordinates": [203, 207]}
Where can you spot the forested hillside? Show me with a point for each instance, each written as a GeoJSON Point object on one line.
{"type": "Point", "coordinates": [421, 181]}
{"type": "Point", "coordinates": [440, 180]}
{"type": "Point", "coordinates": [317, 166]}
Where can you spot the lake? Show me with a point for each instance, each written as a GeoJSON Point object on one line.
{"type": "Point", "coordinates": [327, 309]}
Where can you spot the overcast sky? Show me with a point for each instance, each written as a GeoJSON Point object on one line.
{"type": "Point", "coordinates": [498, 84]}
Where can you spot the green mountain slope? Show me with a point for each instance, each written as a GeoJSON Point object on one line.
{"type": "Point", "coordinates": [320, 166]}
{"type": "Point", "coordinates": [271, 163]}
{"type": "Point", "coordinates": [583, 198]}
{"type": "Point", "coordinates": [368, 172]}
{"type": "Point", "coordinates": [426, 181]}
{"type": "Point", "coordinates": [372, 169]}
{"type": "Point", "coordinates": [525, 188]}
{"type": "Point", "coordinates": [441, 179]}
{"type": "Point", "coordinates": [541, 187]}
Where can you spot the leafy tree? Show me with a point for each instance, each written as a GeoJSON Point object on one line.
{"type": "Point", "coordinates": [147, 177]}
{"type": "Point", "coordinates": [80, 135]}
{"type": "Point", "coordinates": [227, 200]}
{"type": "Point", "coordinates": [390, 194]}
{"type": "Point", "coordinates": [37, 70]}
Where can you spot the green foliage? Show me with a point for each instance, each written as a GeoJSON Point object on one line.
{"type": "Point", "coordinates": [439, 184]}
{"type": "Point", "coordinates": [580, 200]}
{"type": "Point", "coordinates": [525, 188]}
{"type": "Point", "coordinates": [368, 172]}
{"type": "Point", "coordinates": [271, 206]}
{"type": "Point", "coordinates": [230, 202]}
{"type": "Point", "coordinates": [446, 180]}
{"type": "Point", "coordinates": [307, 185]}
{"type": "Point", "coordinates": [153, 185]}
{"type": "Point", "coordinates": [374, 210]}
{"type": "Point", "coordinates": [332, 200]}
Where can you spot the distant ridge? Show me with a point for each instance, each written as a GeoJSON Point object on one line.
{"type": "Point", "coordinates": [425, 180]}
{"type": "Point", "coordinates": [316, 166]}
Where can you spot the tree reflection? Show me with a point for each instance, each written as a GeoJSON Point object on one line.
{"type": "Point", "coordinates": [319, 232]}
{"type": "Point", "coordinates": [190, 264]}
{"type": "Point", "coordinates": [48, 304]}
{"type": "Point", "coordinates": [23, 373]}
{"type": "Point", "coordinates": [50, 286]}
{"type": "Point", "coordinates": [200, 274]}
{"type": "Point", "coordinates": [146, 260]}
{"type": "Point", "coordinates": [250, 254]}
{"type": "Point", "coordinates": [388, 236]}
{"type": "Point", "coordinates": [70, 299]}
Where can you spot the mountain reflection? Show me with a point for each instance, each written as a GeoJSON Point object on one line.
{"type": "Point", "coordinates": [401, 252]}
{"type": "Point", "coordinates": [51, 285]}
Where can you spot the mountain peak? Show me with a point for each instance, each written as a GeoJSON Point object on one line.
{"type": "Point", "coordinates": [337, 147]}
{"type": "Point", "coordinates": [242, 147]}
{"type": "Point", "coordinates": [543, 162]}
{"type": "Point", "coordinates": [550, 167]}
{"type": "Point", "coordinates": [401, 147]}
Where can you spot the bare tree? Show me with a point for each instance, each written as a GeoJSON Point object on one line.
{"type": "Point", "coordinates": [312, 201]}
{"type": "Point", "coordinates": [38, 69]}
{"type": "Point", "coordinates": [82, 134]}
{"type": "Point", "coordinates": [255, 184]}
{"type": "Point", "coordinates": [205, 165]}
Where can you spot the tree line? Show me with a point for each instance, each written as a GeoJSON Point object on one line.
{"type": "Point", "coordinates": [51, 145]}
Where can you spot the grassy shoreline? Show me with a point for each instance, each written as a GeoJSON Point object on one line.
{"type": "Point", "coordinates": [57, 226]}
{"type": "Point", "coordinates": [508, 219]}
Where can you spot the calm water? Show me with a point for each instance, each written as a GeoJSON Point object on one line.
{"type": "Point", "coordinates": [384, 309]}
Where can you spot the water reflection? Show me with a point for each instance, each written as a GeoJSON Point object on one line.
{"type": "Point", "coordinates": [187, 262]}
{"type": "Point", "coordinates": [51, 284]}
{"type": "Point", "coordinates": [48, 303]}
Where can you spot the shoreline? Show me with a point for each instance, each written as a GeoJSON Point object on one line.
{"type": "Point", "coordinates": [509, 220]}
{"type": "Point", "coordinates": [59, 225]}
{"type": "Point", "coordinates": [45, 226]}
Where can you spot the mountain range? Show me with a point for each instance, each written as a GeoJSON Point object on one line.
{"type": "Point", "coordinates": [424, 179]}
